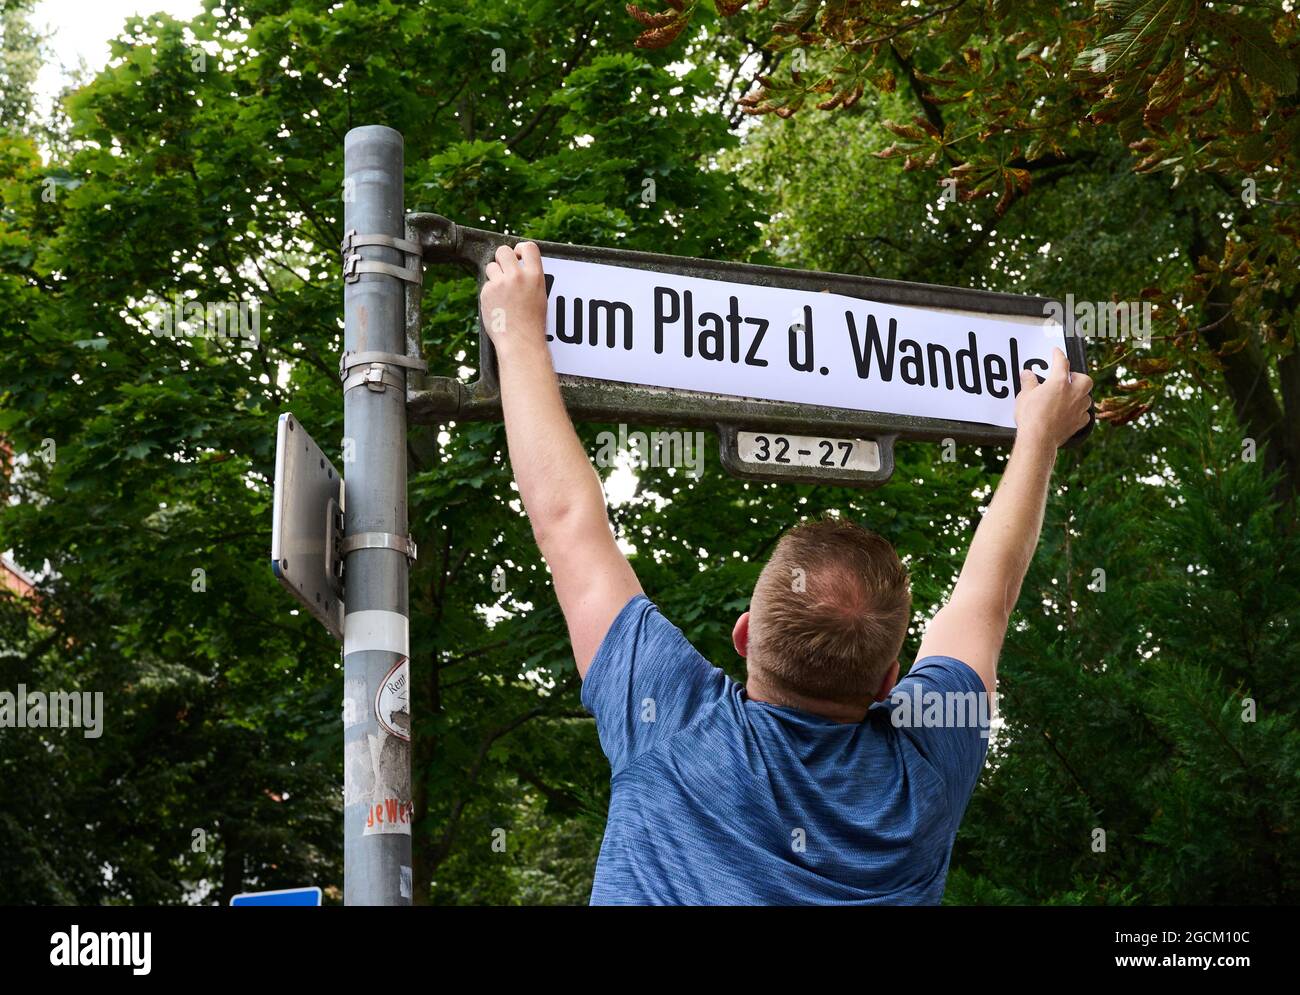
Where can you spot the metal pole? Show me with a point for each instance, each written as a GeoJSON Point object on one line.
{"type": "Point", "coordinates": [377, 810]}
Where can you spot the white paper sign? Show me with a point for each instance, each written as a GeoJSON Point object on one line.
{"type": "Point", "coordinates": [664, 330]}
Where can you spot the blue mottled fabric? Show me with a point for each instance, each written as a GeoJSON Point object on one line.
{"type": "Point", "coordinates": [717, 799]}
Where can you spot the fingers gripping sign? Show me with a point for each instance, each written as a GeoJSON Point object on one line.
{"type": "Point", "coordinates": [1054, 408]}
{"type": "Point", "coordinates": [513, 298]}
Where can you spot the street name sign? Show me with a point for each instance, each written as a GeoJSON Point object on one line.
{"type": "Point", "coordinates": [829, 369]}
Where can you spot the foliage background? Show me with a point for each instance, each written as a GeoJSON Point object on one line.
{"type": "Point", "coordinates": [218, 178]}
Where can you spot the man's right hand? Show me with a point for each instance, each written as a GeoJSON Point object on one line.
{"type": "Point", "coordinates": [972, 625]}
{"type": "Point", "coordinates": [1052, 411]}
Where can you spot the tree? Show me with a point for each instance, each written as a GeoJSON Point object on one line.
{"type": "Point", "coordinates": [206, 168]}
{"type": "Point", "coordinates": [1007, 99]}
{"type": "Point", "coordinates": [21, 52]}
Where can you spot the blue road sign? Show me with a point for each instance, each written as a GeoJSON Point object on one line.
{"type": "Point", "coordinates": [289, 896]}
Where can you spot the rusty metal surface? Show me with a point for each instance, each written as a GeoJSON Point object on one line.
{"type": "Point", "coordinates": [443, 398]}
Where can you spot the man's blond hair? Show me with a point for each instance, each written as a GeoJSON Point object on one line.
{"type": "Point", "coordinates": [829, 612]}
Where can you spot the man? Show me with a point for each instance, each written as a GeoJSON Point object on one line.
{"type": "Point", "coordinates": [803, 785]}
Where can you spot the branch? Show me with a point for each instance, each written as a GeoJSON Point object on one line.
{"type": "Point", "coordinates": [931, 111]}
{"type": "Point", "coordinates": [583, 37]}
{"type": "Point", "coordinates": [563, 801]}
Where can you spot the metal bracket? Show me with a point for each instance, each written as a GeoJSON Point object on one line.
{"type": "Point", "coordinates": [351, 359]}
{"type": "Point", "coordinates": [333, 539]}
{"type": "Point", "coordinates": [378, 540]}
{"type": "Point", "coordinates": [377, 374]}
{"type": "Point", "coordinates": [352, 240]}
{"type": "Point", "coordinates": [354, 265]}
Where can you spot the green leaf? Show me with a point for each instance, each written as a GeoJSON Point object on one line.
{"type": "Point", "coordinates": [1261, 57]}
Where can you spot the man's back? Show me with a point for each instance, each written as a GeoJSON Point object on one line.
{"type": "Point", "coordinates": [718, 799]}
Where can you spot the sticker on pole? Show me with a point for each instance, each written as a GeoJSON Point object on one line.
{"type": "Point", "coordinates": [392, 701]}
{"type": "Point", "coordinates": [389, 815]}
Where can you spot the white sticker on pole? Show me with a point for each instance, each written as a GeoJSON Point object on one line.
{"type": "Point", "coordinates": [376, 630]}
{"type": "Point", "coordinates": [378, 767]}
{"type": "Point", "coordinates": [392, 700]}
{"type": "Point", "coordinates": [665, 330]}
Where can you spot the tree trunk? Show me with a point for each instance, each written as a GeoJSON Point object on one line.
{"type": "Point", "coordinates": [1246, 372]}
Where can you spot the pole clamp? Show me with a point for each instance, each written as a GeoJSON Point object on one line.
{"type": "Point", "coordinates": [378, 540]}
{"type": "Point", "coordinates": [354, 265]}
{"type": "Point", "coordinates": [373, 369]}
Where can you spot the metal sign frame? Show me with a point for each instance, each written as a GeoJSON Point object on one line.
{"type": "Point", "coordinates": [306, 524]}
{"type": "Point", "coordinates": [446, 398]}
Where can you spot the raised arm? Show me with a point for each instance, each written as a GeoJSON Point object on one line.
{"type": "Point", "coordinates": [558, 485]}
{"type": "Point", "coordinates": [972, 625]}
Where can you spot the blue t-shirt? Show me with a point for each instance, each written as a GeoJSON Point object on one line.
{"type": "Point", "coordinates": [718, 799]}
